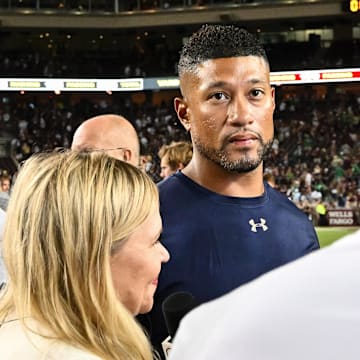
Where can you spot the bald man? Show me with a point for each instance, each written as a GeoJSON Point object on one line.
{"type": "Point", "coordinates": [111, 133]}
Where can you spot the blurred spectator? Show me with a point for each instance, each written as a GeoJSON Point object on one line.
{"type": "Point", "coordinates": [5, 183]}
{"type": "Point", "coordinates": [270, 179]}
{"type": "Point", "coordinates": [174, 157]}
{"type": "Point", "coordinates": [110, 133]}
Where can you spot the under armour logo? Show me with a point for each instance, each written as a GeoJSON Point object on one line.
{"type": "Point", "coordinates": [255, 225]}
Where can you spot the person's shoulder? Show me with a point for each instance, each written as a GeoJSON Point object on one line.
{"type": "Point", "coordinates": [68, 352]}
{"type": "Point", "coordinates": [18, 341]}
{"type": "Point", "coordinates": [316, 265]}
{"type": "Point", "coordinates": [172, 181]}
{"type": "Point", "coordinates": [287, 296]}
{"type": "Point", "coordinates": [282, 200]}
{"type": "Point", "coordinates": [4, 200]}
{"type": "Point", "coordinates": [350, 242]}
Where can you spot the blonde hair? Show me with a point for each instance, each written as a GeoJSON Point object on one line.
{"type": "Point", "coordinates": [67, 213]}
{"type": "Point", "coordinates": [177, 153]}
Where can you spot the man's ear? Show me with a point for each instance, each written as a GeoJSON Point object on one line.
{"type": "Point", "coordinates": [127, 155]}
{"type": "Point", "coordinates": [182, 111]}
{"type": "Point", "coordinates": [273, 96]}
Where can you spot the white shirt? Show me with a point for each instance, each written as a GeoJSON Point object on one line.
{"type": "Point", "coordinates": [18, 344]}
{"type": "Point", "coordinates": [306, 310]}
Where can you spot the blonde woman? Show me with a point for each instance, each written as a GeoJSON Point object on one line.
{"type": "Point", "coordinates": [82, 252]}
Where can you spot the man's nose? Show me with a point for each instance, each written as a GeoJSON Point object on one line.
{"type": "Point", "coordinates": [240, 111]}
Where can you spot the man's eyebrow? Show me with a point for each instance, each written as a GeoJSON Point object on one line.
{"type": "Point", "coordinates": [253, 81]}
{"type": "Point", "coordinates": [216, 84]}
{"type": "Point", "coordinates": [257, 81]}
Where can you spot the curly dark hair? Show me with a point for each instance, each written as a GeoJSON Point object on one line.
{"type": "Point", "coordinates": [218, 41]}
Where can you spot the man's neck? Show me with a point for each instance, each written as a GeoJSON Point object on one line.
{"type": "Point", "coordinates": [215, 178]}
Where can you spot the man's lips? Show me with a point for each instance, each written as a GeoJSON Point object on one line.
{"type": "Point", "coordinates": [245, 139]}
{"type": "Point", "coordinates": [155, 282]}
{"type": "Point", "coordinates": [242, 137]}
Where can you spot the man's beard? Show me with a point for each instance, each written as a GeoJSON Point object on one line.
{"type": "Point", "coordinates": [242, 165]}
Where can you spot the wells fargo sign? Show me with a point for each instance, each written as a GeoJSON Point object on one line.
{"type": "Point", "coordinates": [341, 217]}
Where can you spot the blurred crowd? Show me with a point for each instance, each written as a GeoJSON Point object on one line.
{"type": "Point", "coordinates": [143, 59]}
{"type": "Point", "coordinates": [117, 6]}
{"type": "Point", "coordinates": [314, 158]}
{"type": "Point", "coordinates": [316, 152]}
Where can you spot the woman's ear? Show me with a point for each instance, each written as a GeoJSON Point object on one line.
{"type": "Point", "coordinates": [182, 111]}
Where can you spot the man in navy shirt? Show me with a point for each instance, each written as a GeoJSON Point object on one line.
{"type": "Point", "coordinates": [222, 224]}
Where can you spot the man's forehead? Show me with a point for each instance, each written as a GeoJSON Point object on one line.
{"type": "Point", "coordinates": [249, 69]}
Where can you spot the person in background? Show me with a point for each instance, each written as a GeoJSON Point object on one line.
{"type": "Point", "coordinates": [82, 250]}
{"type": "Point", "coordinates": [174, 157]}
{"type": "Point", "coordinates": [5, 183]}
{"type": "Point", "coordinates": [270, 179]}
{"type": "Point", "coordinates": [111, 133]}
{"type": "Point", "coordinates": [223, 225]}
{"type": "Point", "coordinates": [146, 163]}
{"type": "Point", "coordinates": [309, 309]}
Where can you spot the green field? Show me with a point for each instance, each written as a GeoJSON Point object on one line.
{"type": "Point", "coordinates": [327, 235]}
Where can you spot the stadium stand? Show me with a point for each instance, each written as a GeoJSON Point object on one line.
{"type": "Point", "coordinates": [315, 155]}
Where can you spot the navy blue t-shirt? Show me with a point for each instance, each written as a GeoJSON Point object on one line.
{"type": "Point", "coordinates": [218, 243]}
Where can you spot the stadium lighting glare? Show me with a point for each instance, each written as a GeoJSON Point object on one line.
{"type": "Point", "coordinates": [171, 82]}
